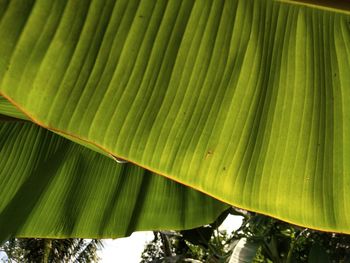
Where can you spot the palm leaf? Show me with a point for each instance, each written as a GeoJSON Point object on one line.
{"type": "Point", "coordinates": [245, 100]}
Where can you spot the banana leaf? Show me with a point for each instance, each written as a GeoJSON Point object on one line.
{"type": "Point", "coordinates": [247, 101]}
{"type": "Point", "coordinates": [52, 187]}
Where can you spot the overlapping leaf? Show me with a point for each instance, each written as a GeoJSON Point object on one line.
{"type": "Point", "coordinates": [9, 110]}
{"type": "Point", "coordinates": [52, 187]}
{"type": "Point", "coordinates": [246, 100]}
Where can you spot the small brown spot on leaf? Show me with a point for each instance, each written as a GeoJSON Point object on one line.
{"type": "Point", "coordinates": [209, 153]}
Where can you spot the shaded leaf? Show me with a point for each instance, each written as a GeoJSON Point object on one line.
{"type": "Point", "coordinates": [244, 251]}
{"type": "Point", "coordinates": [55, 188]}
{"type": "Point", "coordinates": [318, 255]}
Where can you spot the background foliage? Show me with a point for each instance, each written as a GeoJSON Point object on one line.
{"type": "Point", "coordinates": [268, 240]}
{"type": "Point", "coordinates": [36, 250]}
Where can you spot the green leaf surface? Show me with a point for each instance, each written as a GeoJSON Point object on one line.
{"type": "Point", "coordinates": [10, 112]}
{"type": "Point", "coordinates": [52, 187]}
{"type": "Point", "coordinates": [245, 100]}
{"type": "Point", "coordinates": [8, 109]}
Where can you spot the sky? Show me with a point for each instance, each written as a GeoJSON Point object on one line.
{"type": "Point", "coordinates": [129, 249]}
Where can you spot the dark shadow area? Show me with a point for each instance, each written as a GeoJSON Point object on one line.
{"type": "Point", "coordinates": [15, 214]}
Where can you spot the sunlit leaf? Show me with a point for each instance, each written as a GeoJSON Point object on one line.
{"type": "Point", "coordinates": [245, 100]}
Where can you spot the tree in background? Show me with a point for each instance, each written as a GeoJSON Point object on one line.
{"type": "Point", "coordinates": [260, 239]}
{"type": "Point", "coordinates": [52, 250]}
{"type": "Point", "coordinates": [203, 244]}
{"type": "Point", "coordinates": [174, 247]}
{"type": "Point", "coordinates": [278, 241]}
